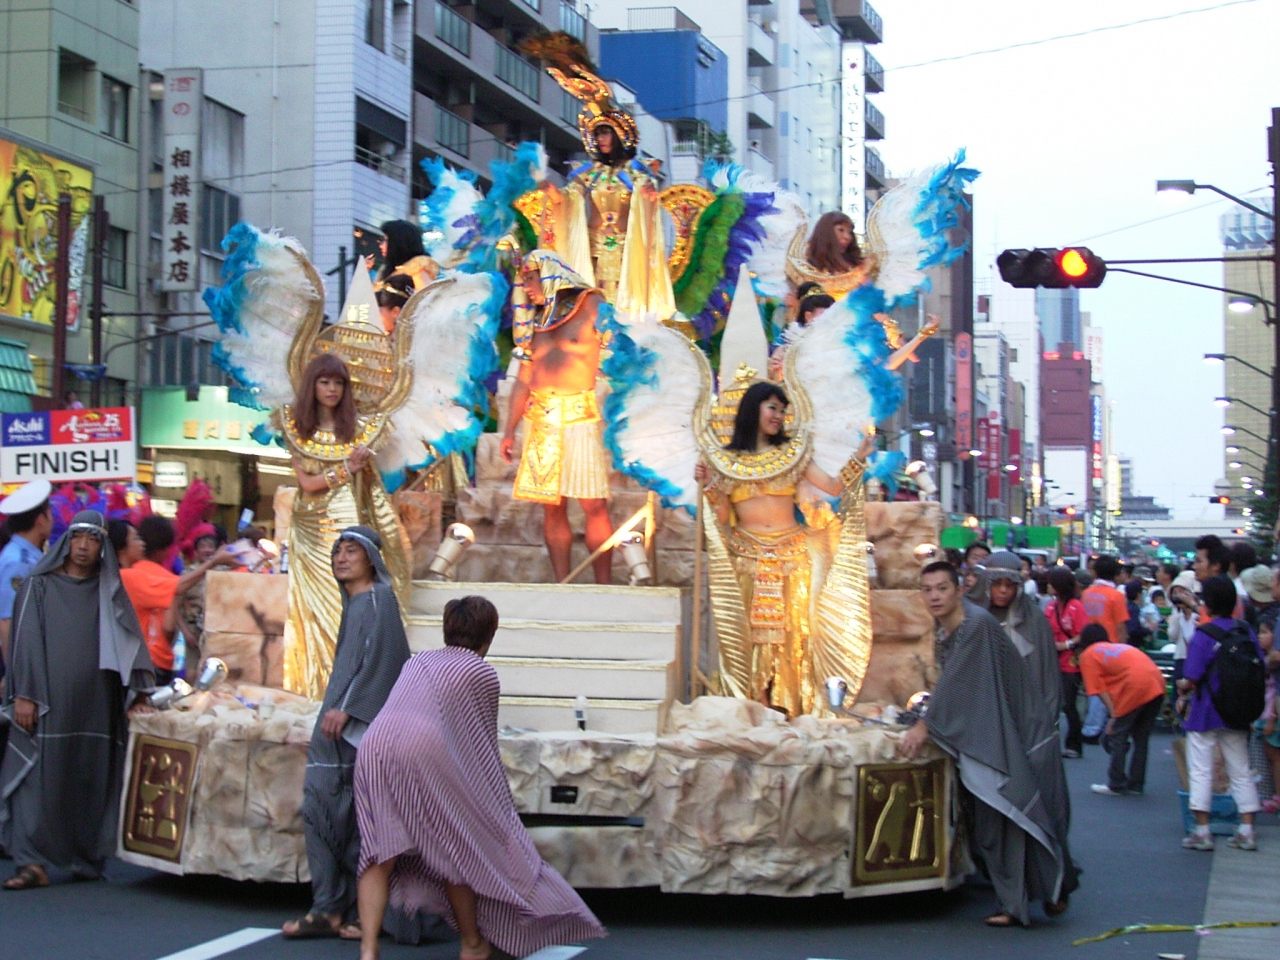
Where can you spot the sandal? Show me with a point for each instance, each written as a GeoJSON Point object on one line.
{"type": "Point", "coordinates": [350, 931]}
{"type": "Point", "coordinates": [1002, 920]}
{"type": "Point", "coordinates": [311, 927]}
{"type": "Point", "coordinates": [1055, 909]}
{"type": "Point", "coordinates": [27, 878]}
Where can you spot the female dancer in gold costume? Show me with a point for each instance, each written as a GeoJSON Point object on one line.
{"type": "Point", "coordinates": [331, 443]}
{"type": "Point", "coordinates": [779, 564]}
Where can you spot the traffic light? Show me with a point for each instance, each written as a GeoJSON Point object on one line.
{"type": "Point", "coordinates": [1067, 511]}
{"type": "Point", "coordinates": [1051, 267]}
{"type": "Point", "coordinates": [1222, 500]}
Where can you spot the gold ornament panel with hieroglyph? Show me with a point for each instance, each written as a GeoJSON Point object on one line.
{"type": "Point", "coordinates": [900, 831]}
{"type": "Point", "coordinates": [158, 797]}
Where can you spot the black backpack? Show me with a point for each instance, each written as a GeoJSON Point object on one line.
{"type": "Point", "coordinates": [1242, 675]}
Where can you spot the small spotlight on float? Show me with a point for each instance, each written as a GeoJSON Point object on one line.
{"type": "Point", "coordinates": [456, 540]}
{"type": "Point", "coordinates": [637, 559]}
{"type": "Point", "coordinates": [918, 471]}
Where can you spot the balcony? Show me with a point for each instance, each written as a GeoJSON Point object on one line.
{"type": "Point", "coordinates": [875, 175]}
{"type": "Point", "coordinates": [875, 74]}
{"type": "Point", "coordinates": [858, 20]}
{"type": "Point", "coordinates": [452, 132]}
{"type": "Point", "coordinates": [570, 107]}
{"type": "Point", "coordinates": [875, 122]}
{"type": "Point", "coordinates": [380, 164]}
{"type": "Point", "coordinates": [572, 22]}
{"type": "Point", "coordinates": [759, 164]}
{"type": "Point", "coordinates": [516, 72]}
{"type": "Point", "coordinates": [439, 130]}
{"type": "Point", "coordinates": [761, 110]}
{"type": "Point", "coordinates": [762, 47]}
{"type": "Point", "coordinates": [453, 29]}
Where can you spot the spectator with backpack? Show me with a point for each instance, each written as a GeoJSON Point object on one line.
{"type": "Point", "coordinates": [1223, 687]}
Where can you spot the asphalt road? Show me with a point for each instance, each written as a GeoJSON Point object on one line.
{"type": "Point", "coordinates": [1135, 872]}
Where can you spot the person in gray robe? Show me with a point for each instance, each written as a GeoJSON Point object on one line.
{"type": "Point", "coordinates": [80, 668]}
{"type": "Point", "coordinates": [994, 712]}
{"type": "Point", "coordinates": [371, 649]}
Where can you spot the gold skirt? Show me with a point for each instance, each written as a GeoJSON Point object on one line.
{"type": "Point", "coordinates": [562, 454]}
{"type": "Point", "coordinates": [315, 599]}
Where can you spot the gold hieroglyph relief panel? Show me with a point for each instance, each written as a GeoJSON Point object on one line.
{"type": "Point", "coordinates": [158, 797]}
{"type": "Point", "coordinates": [901, 822]}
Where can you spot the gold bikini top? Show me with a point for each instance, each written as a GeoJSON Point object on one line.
{"type": "Point", "coordinates": [783, 486]}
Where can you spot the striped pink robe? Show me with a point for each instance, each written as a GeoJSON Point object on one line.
{"type": "Point", "coordinates": [431, 791]}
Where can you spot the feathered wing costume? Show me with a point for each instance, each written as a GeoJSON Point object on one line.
{"type": "Point", "coordinates": [417, 400]}
{"type": "Point", "coordinates": [790, 612]}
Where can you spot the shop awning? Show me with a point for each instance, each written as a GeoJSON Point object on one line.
{"type": "Point", "coordinates": [17, 379]}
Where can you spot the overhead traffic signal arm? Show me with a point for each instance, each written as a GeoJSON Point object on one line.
{"type": "Point", "coordinates": [1051, 267]}
{"type": "Point", "coordinates": [1222, 500]}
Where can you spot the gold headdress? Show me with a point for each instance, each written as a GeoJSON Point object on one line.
{"type": "Point", "coordinates": [571, 67]}
{"type": "Point", "coordinates": [527, 318]}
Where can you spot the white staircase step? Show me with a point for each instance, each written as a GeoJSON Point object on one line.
{"type": "Point", "coordinates": [553, 601]}
{"type": "Point", "coordinates": [550, 714]}
{"type": "Point", "coordinates": [606, 679]}
{"type": "Point", "coordinates": [563, 639]}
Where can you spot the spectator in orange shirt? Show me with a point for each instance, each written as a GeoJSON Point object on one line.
{"type": "Point", "coordinates": [1104, 603]}
{"type": "Point", "coordinates": [156, 591]}
{"type": "Point", "coordinates": [1132, 687]}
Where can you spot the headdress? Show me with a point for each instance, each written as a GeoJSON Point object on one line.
{"type": "Point", "coordinates": [557, 278]}
{"type": "Point", "coordinates": [368, 538]}
{"type": "Point", "coordinates": [571, 67]}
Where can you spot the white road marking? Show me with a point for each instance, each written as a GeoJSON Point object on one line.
{"type": "Point", "coordinates": [216, 948]}
{"type": "Point", "coordinates": [556, 953]}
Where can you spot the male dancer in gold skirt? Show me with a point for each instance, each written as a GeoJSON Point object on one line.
{"type": "Point", "coordinates": [558, 345]}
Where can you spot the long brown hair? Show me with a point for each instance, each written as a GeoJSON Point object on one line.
{"type": "Point", "coordinates": [306, 410]}
{"type": "Point", "coordinates": [825, 252]}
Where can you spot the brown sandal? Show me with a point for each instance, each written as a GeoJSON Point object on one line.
{"type": "Point", "coordinates": [29, 877]}
{"type": "Point", "coordinates": [311, 927]}
{"type": "Point", "coordinates": [1056, 909]}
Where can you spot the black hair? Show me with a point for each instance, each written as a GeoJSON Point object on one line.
{"type": "Point", "coordinates": [1171, 570]}
{"type": "Point", "coordinates": [1243, 556]}
{"type": "Point", "coordinates": [157, 534]}
{"type": "Point", "coordinates": [1215, 551]}
{"type": "Point", "coordinates": [469, 622]}
{"type": "Point", "coordinates": [395, 290]}
{"type": "Point", "coordinates": [118, 534]}
{"type": "Point", "coordinates": [1091, 634]}
{"type": "Point", "coordinates": [814, 301]}
{"type": "Point", "coordinates": [1219, 595]}
{"type": "Point", "coordinates": [23, 522]}
{"type": "Point", "coordinates": [1083, 577]}
{"type": "Point", "coordinates": [942, 566]}
{"type": "Point", "coordinates": [1132, 591]}
{"type": "Point", "coordinates": [1106, 567]}
{"type": "Point", "coordinates": [1152, 595]}
{"type": "Point", "coordinates": [619, 155]}
{"type": "Point", "coordinates": [954, 558]}
{"type": "Point", "coordinates": [404, 242]}
{"type": "Point", "coordinates": [806, 288]}
{"type": "Point", "coordinates": [1062, 582]}
{"type": "Point", "coordinates": [746, 424]}
{"type": "Point", "coordinates": [976, 545]}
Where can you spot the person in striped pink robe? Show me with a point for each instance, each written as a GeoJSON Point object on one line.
{"type": "Point", "coordinates": [439, 830]}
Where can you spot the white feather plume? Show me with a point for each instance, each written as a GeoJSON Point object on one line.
{"type": "Point", "coordinates": [454, 221]}
{"type": "Point", "coordinates": [656, 378]}
{"type": "Point", "coordinates": [267, 294]}
{"type": "Point", "coordinates": [826, 368]}
{"type": "Point", "coordinates": [768, 260]}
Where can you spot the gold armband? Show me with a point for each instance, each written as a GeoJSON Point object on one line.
{"type": "Point", "coordinates": [852, 472]}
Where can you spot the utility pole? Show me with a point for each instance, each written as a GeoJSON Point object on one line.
{"type": "Point", "coordinates": [1271, 484]}
{"type": "Point", "coordinates": [101, 222]}
{"type": "Point", "coordinates": [62, 280]}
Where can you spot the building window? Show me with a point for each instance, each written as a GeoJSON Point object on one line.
{"type": "Point", "coordinates": [75, 86]}
{"type": "Point", "coordinates": [113, 109]}
{"type": "Point", "coordinates": [221, 145]}
{"type": "Point", "coordinates": [380, 137]}
{"type": "Point", "coordinates": [375, 24]}
{"type": "Point", "coordinates": [220, 211]}
{"type": "Point", "coordinates": [115, 259]}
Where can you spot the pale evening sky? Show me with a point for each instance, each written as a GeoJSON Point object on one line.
{"type": "Point", "coordinates": [1070, 137]}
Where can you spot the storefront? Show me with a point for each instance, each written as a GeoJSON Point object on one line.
{"type": "Point", "coordinates": [210, 438]}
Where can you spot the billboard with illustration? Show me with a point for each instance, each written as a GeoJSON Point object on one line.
{"type": "Point", "coordinates": [30, 183]}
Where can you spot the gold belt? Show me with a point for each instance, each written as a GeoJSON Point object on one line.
{"type": "Point", "coordinates": [771, 552]}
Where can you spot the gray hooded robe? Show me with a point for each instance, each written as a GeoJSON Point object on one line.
{"type": "Point", "coordinates": [370, 651]}
{"type": "Point", "coordinates": [78, 653]}
{"type": "Point", "coordinates": [992, 712]}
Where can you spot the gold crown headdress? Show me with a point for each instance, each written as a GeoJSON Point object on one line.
{"type": "Point", "coordinates": [569, 64]}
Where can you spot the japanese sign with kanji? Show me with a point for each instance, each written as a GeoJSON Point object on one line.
{"type": "Point", "coordinates": [67, 445]}
{"type": "Point", "coordinates": [183, 103]}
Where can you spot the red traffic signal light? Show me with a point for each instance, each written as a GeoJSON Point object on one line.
{"type": "Point", "coordinates": [1222, 500]}
{"type": "Point", "coordinates": [1067, 511]}
{"type": "Point", "coordinates": [1051, 267]}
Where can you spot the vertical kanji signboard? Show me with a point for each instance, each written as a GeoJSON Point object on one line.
{"type": "Point", "coordinates": [183, 104]}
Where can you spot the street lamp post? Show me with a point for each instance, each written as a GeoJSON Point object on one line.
{"type": "Point", "coordinates": [1223, 357]}
{"type": "Point", "coordinates": [1228, 401]}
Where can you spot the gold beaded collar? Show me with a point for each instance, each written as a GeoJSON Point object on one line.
{"type": "Point", "coordinates": [323, 445]}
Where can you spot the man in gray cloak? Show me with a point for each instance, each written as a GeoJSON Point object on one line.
{"type": "Point", "coordinates": [370, 651]}
{"type": "Point", "coordinates": [995, 712]}
{"type": "Point", "coordinates": [79, 669]}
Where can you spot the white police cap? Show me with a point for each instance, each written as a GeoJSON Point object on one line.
{"type": "Point", "coordinates": [26, 497]}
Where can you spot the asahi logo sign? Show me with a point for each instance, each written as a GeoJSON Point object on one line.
{"type": "Point", "coordinates": [68, 445]}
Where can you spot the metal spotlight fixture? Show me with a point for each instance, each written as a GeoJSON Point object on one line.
{"type": "Point", "coordinates": [925, 553]}
{"type": "Point", "coordinates": [456, 540]}
{"type": "Point", "coordinates": [213, 672]}
{"type": "Point", "coordinates": [637, 559]}
{"type": "Point", "coordinates": [918, 471]}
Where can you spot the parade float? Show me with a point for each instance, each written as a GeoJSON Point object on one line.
{"type": "Point", "coordinates": [630, 742]}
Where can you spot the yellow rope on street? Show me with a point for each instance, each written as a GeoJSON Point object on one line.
{"type": "Point", "coordinates": [1176, 928]}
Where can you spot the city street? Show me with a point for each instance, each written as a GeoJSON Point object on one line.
{"type": "Point", "coordinates": [1134, 872]}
